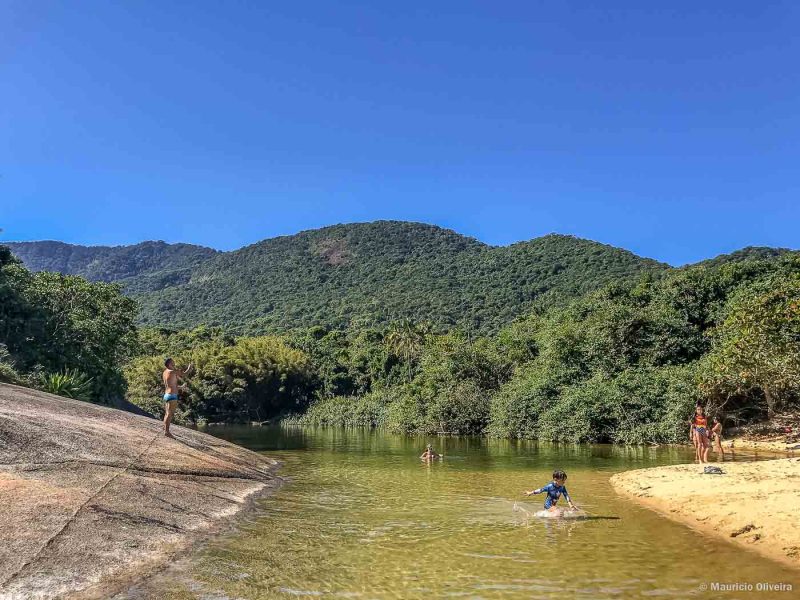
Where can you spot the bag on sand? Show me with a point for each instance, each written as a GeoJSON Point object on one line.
{"type": "Point", "coordinates": [711, 470]}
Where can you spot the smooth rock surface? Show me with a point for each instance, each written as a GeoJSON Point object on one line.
{"type": "Point", "coordinates": [94, 497]}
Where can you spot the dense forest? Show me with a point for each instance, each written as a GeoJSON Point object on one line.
{"type": "Point", "coordinates": [64, 334]}
{"type": "Point", "coordinates": [620, 360]}
{"type": "Point", "coordinates": [138, 268]}
{"type": "Point", "coordinates": [623, 364]}
{"type": "Point", "coordinates": [349, 275]}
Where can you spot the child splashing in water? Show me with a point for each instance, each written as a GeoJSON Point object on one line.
{"type": "Point", "coordinates": [554, 490]}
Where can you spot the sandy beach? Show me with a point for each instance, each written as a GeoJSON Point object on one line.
{"type": "Point", "coordinates": [753, 504]}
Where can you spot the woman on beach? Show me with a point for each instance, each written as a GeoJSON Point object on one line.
{"type": "Point", "coordinates": [700, 433]}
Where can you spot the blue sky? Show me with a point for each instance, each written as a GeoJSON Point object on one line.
{"type": "Point", "coordinates": [669, 128]}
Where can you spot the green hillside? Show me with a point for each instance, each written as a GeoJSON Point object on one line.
{"type": "Point", "coordinates": [367, 273]}
{"type": "Point", "coordinates": [378, 272]}
{"type": "Point", "coordinates": [745, 254]}
{"type": "Point", "coordinates": [140, 267]}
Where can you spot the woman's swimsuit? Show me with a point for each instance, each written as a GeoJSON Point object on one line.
{"type": "Point", "coordinates": [701, 425]}
{"type": "Point", "coordinates": [554, 492]}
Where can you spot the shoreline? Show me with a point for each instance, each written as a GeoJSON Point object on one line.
{"type": "Point", "coordinates": [137, 584]}
{"type": "Point", "coordinates": [752, 505]}
{"type": "Point", "coordinates": [97, 500]}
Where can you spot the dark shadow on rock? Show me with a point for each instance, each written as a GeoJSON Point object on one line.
{"type": "Point", "coordinates": [133, 519]}
{"type": "Point", "coordinates": [122, 404]}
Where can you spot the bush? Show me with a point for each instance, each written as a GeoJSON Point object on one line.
{"type": "Point", "coordinates": [755, 358]}
{"type": "Point", "coordinates": [639, 406]}
{"type": "Point", "coordinates": [516, 407]}
{"type": "Point", "coordinates": [67, 383]}
{"type": "Point", "coordinates": [59, 323]}
{"type": "Point", "coordinates": [253, 380]}
{"type": "Point", "coordinates": [462, 409]}
{"type": "Point", "coordinates": [8, 374]}
{"type": "Point", "coordinates": [369, 410]}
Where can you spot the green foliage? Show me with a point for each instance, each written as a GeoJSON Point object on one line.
{"type": "Point", "coordinates": [748, 253]}
{"type": "Point", "coordinates": [448, 392]}
{"type": "Point", "coordinates": [347, 363]}
{"type": "Point", "coordinates": [756, 348]}
{"type": "Point", "coordinates": [347, 277]}
{"type": "Point", "coordinates": [624, 364]}
{"type": "Point", "coordinates": [83, 326]}
{"type": "Point", "coordinates": [621, 364]}
{"type": "Point", "coordinates": [254, 379]}
{"type": "Point", "coordinates": [405, 341]}
{"type": "Point", "coordinates": [516, 407]}
{"type": "Point", "coordinates": [412, 328]}
{"type": "Point", "coordinates": [8, 373]}
{"type": "Point", "coordinates": [367, 410]}
{"type": "Point", "coordinates": [67, 383]}
{"type": "Point", "coordinates": [51, 323]}
{"type": "Point", "coordinates": [168, 342]}
{"type": "Point", "coordinates": [149, 265]}
{"type": "Point", "coordinates": [640, 406]}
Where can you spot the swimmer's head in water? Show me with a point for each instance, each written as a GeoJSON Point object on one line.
{"type": "Point", "coordinates": [559, 476]}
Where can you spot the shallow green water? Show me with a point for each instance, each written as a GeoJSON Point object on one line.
{"type": "Point", "coordinates": [363, 517]}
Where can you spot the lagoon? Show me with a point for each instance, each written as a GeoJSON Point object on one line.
{"type": "Point", "coordinates": [362, 517]}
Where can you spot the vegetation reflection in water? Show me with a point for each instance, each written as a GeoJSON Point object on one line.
{"type": "Point", "coordinates": [362, 517]}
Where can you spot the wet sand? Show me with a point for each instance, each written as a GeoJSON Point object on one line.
{"type": "Point", "coordinates": [753, 504]}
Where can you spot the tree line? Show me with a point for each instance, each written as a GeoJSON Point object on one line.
{"type": "Point", "coordinates": [623, 364]}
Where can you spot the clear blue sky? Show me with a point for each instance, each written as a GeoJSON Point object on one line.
{"type": "Point", "coordinates": [669, 128]}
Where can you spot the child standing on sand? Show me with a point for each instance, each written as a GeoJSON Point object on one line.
{"type": "Point", "coordinates": [699, 424]}
{"type": "Point", "coordinates": [554, 490]}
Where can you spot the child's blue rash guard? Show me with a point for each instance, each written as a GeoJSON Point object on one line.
{"type": "Point", "coordinates": [554, 492]}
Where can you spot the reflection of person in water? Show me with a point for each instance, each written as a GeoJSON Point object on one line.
{"type": "Point", "coordinates": [429, 453]}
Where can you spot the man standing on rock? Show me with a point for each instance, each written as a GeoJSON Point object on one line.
{"type": "Point", "coordinates": [170, 378]}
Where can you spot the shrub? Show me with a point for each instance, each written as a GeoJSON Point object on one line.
{"type": "Point", "coordinates": [369, 410]}
{"type": "Point", "coordinates": [253, 380]}
{"type": "Point", "coordinates": [67, 383]}
{"type": "Point", "coordinates": [8, 374]}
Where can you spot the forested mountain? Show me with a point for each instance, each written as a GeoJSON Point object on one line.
{"type": "Point", "coordinates": [605, 347]}
{"type": "Point", "coordinates": [148, 265]}
{"type": "Point", "coordinates": [366, 273]}
{"type": "Point", "coordinates": [748, 253]}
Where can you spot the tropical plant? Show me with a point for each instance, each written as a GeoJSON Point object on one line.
{"type": "Point", "coordinates": [405, 340]}
{"type": "Point", "coordinates": [8, 374]}
{"type": "Point", "coordinates": [50, 323]}
{"type": "Point", "coordinates": [254, 379]}
{"type": "Point", "coordinates": [68, 383]}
